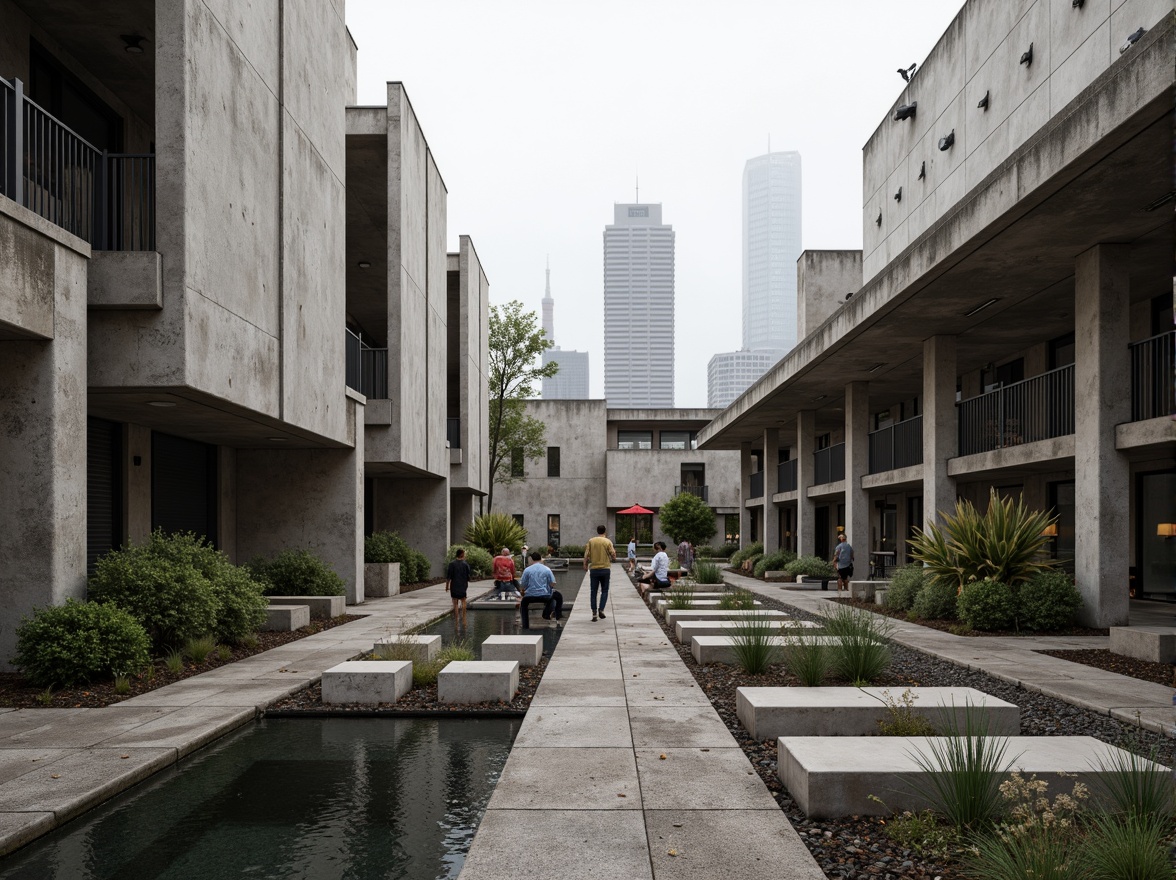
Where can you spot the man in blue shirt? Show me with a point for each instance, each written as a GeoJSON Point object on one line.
{"type": "Point", "coordinates": [843, 562]}
{"type": "Point", "coordinates": [538, 584]}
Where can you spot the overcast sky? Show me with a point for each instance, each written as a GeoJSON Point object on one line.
{"type": "Point", "coordinates": [542, 113]}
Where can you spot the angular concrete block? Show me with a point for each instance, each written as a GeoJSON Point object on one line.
{"type": "Point", "coordinates": [367, 681]}
{"type": "Point", "coordinates": [381, 579]}
{"type": "Point", "coordinates": [320, 606]}
{"type": "Point", "coordinates": [478, 681]}
{"type": "Point", "coordinates": [673, 615]}
{"type": "Point", "coordinates": [864, 590]}
{"type": "Point", "coordinates": [286, 618]}
{"type": "Point", "coordinates": [525, 650]}
{"type": "Point", "coordinates": [424, 648]}
{"type": "Point", "coordinates": [880, 597]}
{"type": "Point", "coordinates": [1154, 643]}
{"type": "Point", "coordinates": [721, 649]}
{"type": "Point", "coordinates": [771, 712]}
{"type": "Point", "coordinates": [685, 630]}
{"type": "Point", "coordinates": [702, 604]}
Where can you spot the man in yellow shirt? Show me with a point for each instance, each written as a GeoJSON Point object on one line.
{"type": "Point", "coordinates": [599, 555]}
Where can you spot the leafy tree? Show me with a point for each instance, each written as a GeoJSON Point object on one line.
{"type": "Point", "coordinates": [516, 341]}
{"type": "Point", "coordinates": [686, 517]}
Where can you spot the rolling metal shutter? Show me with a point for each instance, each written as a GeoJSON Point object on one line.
{"type": "Point", "coordinates": [103, 488]}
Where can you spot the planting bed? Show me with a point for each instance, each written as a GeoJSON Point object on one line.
{"type": "Point", "coordinates": [957, 628]}
{"type": "Point", "coordinates": [1145, 670]}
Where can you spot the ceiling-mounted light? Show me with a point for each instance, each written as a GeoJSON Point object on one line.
{"type": "Point", "coordinates": [983, 105]}
{"type": "Point", "coordinates": [364, 264]}
{"type": "Point", "coordinates": [820, 397]}
{"type": "Point", "coordinates": [1161, 201]}
{"type": "Point", "coordinates": [946, 141]}
{"type": "Point", "coordinates": [134, 44]}
{"type": "Point", "coordinates": [898, 195]}
{"type": "Point", "coordinates": [1132, 40]}
{"type": "Point", "coordinates": [922, 171]}
{"type": "Point", "coordinates": [906, 111]}
{"type": "Point", "coordinates": [876, 367]}
{"type": "Point", "coordinates": [1027, 56]}
{"type": "Point", "coordinates": [981, 307]}
{"type": "Point", "coordinates": [277, 439]}
{"type": "Point", "coordinates": [160, 403]}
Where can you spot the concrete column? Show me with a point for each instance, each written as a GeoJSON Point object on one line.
{"type": "Point", "coordinates": [940, 426]}
{"type": "Point", "coordinates": [418, 508]}
{"type": "Point", "coordinates": [771, 487]}
{"type": "Point", "coordinates": [744, 493]}
{"type": "Point", "coordinates": [806, 526]}
{"type": "Point", "coordinates": [462, 507]}
{"type": "Point", "coordinates": [857, 465]}
{"type": "Point", "coordinates": [1102, 400]}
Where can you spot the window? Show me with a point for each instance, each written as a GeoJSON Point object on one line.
{"type": "Point", "coordinates": [553, 531]}
{"type": "Point", "coordinates": [1061, 351]}
{"type": "Point", "coordinates": [693, 476]}
{"type": "Point", "coordinates": [518, 517]}
{"type": "Point", "coordinates": [553, 461]}
{"type": "Point", "coordinates": [678, 440]}
{"type": "Point", "coordinates": [823, 441]}
{"type": "Point", "coordinates": [516, 462]}
{"type": "Point", "coordinates": [634, 439]}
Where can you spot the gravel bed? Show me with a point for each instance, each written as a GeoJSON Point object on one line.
{"type": "Point", "coordinates": [956, 628]}
{"type": "Point", "coordinates": [1100, 658]}
{"type": "Point", "coordinates": [859, 847]}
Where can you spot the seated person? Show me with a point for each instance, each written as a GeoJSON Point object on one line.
{"type": "Point", "coordinates": [538, 582]}
{"type": "Point", "coordinates": [505, 581]}
{"type": "Point", "coordinates": [658, 577]}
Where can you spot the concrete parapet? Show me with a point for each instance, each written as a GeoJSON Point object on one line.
{"type": "Point", "coordinates": [424, 648]}
{"type": "Point", "coordinates": [525, 650]}
{"type": "Point", "coordinates": [367, 681]}
{"type": "Point", "coordinates": [1154, 643]}
{"type": "Point", "coordinates": [286, 618]}
{"type": "Point", "coordinates": [478, 681]}
{"type": "Point", "coordinates": [381, 579]}
{"type": "Point", "coordinates": [320, 606]}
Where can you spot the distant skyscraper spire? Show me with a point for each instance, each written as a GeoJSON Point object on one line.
{"type": "Point", "coordinates": [548, 308]}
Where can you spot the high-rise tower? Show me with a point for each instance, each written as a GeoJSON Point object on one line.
{"type": "Point", "coordinates": [571, 382]}
{"type": "Point", "coordinates": [639, 308]}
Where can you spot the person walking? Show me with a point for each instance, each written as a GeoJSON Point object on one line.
{"type": "Point", "coordinates": [457, 584]}
{"type": "Point", "coordinates": [843, 562]}
{"type": "Point", "coordinates": [505, 580]}
{"type": "Point", "coordinates": [599, 555]}
{"type": "Point", "coordinates": [538, 586]}
{"type": "Point", "coordinates": [632, 555]}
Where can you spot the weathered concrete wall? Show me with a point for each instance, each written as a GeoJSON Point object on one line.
{"type": "Point", "coordinates": [419, 510]}
{"type": "Point", "coordinates": [473, 370]}
{"type": "Point", "coordinates": [125, 280]}
{"type": "Point", "coordinates": [436, 342]}
{"type": "Point", "coordinates": [28, 248]}
{"type": "Point", "coordinates": [648, 476]}
{"type": "Point", "coordinates": [42, 431]}
{"type": "Point", "coordinates": [823, 278]}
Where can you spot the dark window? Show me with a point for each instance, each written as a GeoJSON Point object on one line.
{"type": "Point", "coordinates": [1062, 506]}
{"type": "Point", "coordinates": [103, 488]}
{"type": "Point", "coordinates": [553, 461]}
{"type": "Point", "coordinates": [62, 95]}
{"type": "Point", "coordinates": [1005, 374]}
{"type": "Point", "coordinates": [677, 440]}
{"type": "Point", "coordinates": [183, 486]}
{"type": "Point", "coordinates": [824, 441]}
{"type": "Point", "coordinates": [516, 462]}
{"type": "Point", "coordinates": [518, 517]}
{"type": "Point", "coordinates": [1061, 351]}
{"type": "Point", "coordinates": [634, 439]}
{"type": "Point", "coordinates": [553, 531]}
{"type": "Point", "coordinates": [1161, 314]}
{"type": "Point", "coordinates": [693, 476]}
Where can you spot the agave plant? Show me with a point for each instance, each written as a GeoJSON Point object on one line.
{"type": "Point", "coordinates": [493, 531]}
{"type": "Point", "coordinates": [1003, 544]}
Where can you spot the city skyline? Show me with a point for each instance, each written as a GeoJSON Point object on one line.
{"type": "Point", "coordinates": [572, 380]}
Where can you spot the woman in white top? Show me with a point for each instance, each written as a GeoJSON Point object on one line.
{"type": "Point", "coordinates": [659, 572]}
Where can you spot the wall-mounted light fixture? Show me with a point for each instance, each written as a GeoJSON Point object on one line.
{"type": "Point", "coordinates": [1132, 40]}
{"type": "Point", "coordinates": [878, 222]}
{"type": "Point", "coordinates": [906, 111]}
{"type": "Point", "coordinates": [1166, 530]}
{"type": "Point", "coordinates": [133, 44]}
{"type": "Point", "coordinates": [1027, 56]}
{"type": "Point", "coordinates": [981, 308]}
{"type": "Point", "coordinates": [923, 171]}
{"type": "Point", "coordinates": [160, 403]}
{"type": "Point", "coordinates": [876, 367]}
{"type": "Point", "coordinates": [898, 195]}
{"type": "Point", "coordinates": [364, 264]}
{"type": "Point", "coordinates": [947, 140]}
{"type": "Point", "coordinates": [983, 105]}
{"type": "Point", "coordinates": [849, 296]}
{"type": "Point", "coordinates": [1076, 4]}
{"type": "Point", "coordinates": [277, 439]}
{"type": "Point", "coordinates": [1161, 201]}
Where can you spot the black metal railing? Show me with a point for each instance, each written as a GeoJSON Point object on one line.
{"type": "Point", "coordinates": [1023, 412]}
{"type": "Point", "coordinates": [829, 464]}
{"type": "Point", "coordinates": [757, 485]}
{"type": "Point", "coordinates": [696, 491]}
{"type": "Point", "coordinates": [1153, 386]}
{"type": "Point", "coordinates": [897, 446]}
{"type": "Point", "coordinates": [453, 433]}
{"type": "Point", "coordinates": [367, 368]}
{"type": "Point", "coordinates": [786, 476]}
{"type": "Point", "coordinates": [107, 199]}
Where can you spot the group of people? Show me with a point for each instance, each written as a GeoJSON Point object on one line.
{"type": "Point", "coordinates": [536, 585]}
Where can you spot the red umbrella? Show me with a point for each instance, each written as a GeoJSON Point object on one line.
{"type": "Point", "coordinates": [636, 510]}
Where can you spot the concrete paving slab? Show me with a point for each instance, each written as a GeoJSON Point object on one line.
{"type": "Point", "coordinates": [17, 762]}
{"type": "Point", "coordinates": [664, 727]}
{"type": "Point", "coordinates": [1160, 720]}
{"type": "Point", "coordinates": [651, 692]}
{"type": "Point", "coordinates": [90, 728]}
{"type": "Point", "coordinates": [184, 730]}
{"type": "Point", "coordinates": [694, 779]}
{"type": "Point", "coordinates": [254, 694]}
{"type": "Point", "coordinates": [579, 692]}
{"type": "Point", "coordinates": [20, 720]}
{"type": "Point", "coordinates": [1102, 695]}
{"type": "Point", "coordinates": [575, 727]}
{"type": "Point", "coordinates": [732, 844]}
{"type": "Point", "coordinates": [17, 829]}
{"type": "Point", "coordinates": [569, 779]}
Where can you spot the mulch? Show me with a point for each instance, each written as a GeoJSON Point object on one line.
{"type": "Point", "coordinates": [1158, 673]}
{"type": "Point", "coordinates": [17, 693]}
{"type": "Point", "coordinates": [960, 629]}
{"type": "Point", "coordinates": [420, 585]}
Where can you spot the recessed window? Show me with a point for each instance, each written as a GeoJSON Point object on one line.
{"type": "Point", "coordinates": [553, 461]}
{"type": "Point", "coordinates": [516, 462]}
{"type": "Point", "coordinates": [677, 440]}
{"type": "Point", "coordinates": [518, 517]}
{"type": "Point", "coordinates": [634, 439]}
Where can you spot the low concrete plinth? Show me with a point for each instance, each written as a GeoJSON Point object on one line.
{"type": "Point", "coordinates": [424, 648]}
{"type": "Point", "coordinates": [771, 712]}
{"type": "Point", "coordinates": [721, 649]}
{"type": "Point", "coordinates": [320, 606]}
{"type": "Point", "coordinates": [367, 681]}
{"type": "Point", "coordinates": [663, 605]}
{"type": "Point", "coordinates": [286, 618]}
{"type": "Point", "coordinates": [831, 777]}
{"type": "Point", "coordinates": [381, 579]}
{"type": "Point", "coordinates": [1154, 643]}
{"type": "Point", "coordinates": [880, 597]}
{"type": "Point", "coordinates": [864, 590]}
{"type": "Point", "coordinates": [525, 650]}
{"type": "Point", "coordinates": [685, 630]}
{"type": "Point", "coordinates": [478, 681]}
{"type": "Point", "coordinates": [673, 615]}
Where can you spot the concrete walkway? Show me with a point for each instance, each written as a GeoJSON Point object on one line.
{"type": "Point", "coordinates": [1014, 659]}
{"type": "Point", "coordinates": [622, 768]}
{"type": "Point", "coordinates": [57, 763]}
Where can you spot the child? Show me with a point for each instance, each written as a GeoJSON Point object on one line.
{"type": "Point", "coordinates": [457, 585]}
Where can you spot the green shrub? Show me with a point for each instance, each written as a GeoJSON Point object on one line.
{"type": "Point", "coordinates": [79, 642]}
{"type": "Point", "coordinates": [905, 585]}
{"type": "Point", "coordinates": [741, 556]}
{"type": "Point", "coordinates": [241, 604]}
{"type": "Point", "coordinates": [726, 551]}
{"type": "Point", "coordinates": [480, 562]}
{"type": "Point", "coordinates": [1048, 601]}
{"type": "Point", "coordinates": [493, 531]}
{"type": "Point", "coordinates": [422, 568]}
{"type": "Point", "coordinates": [297, 573]}
{"type": "Point", "coordinates": [862, 652]}
{"type": "Point", "coordinates": [810, 566]}
{"type": "Point", "coordinates": [901, 718]}
{"type": "Point", "coordinates": [707, 573]}
{"type": "Point", "coordinates": [987, 605]}
{"type": "Point", "coordinates": [936, 601]}
{"type": "Point", "coordinates": [384, 548]}
{"type": "Point", "coordinates": [706, 551]}
{"type": "Point", "coordinates": [774, 562]}
{"type": "Point", "coordinates": [572, 551]}
{"type": "Point", "coordinates": [924, 833]}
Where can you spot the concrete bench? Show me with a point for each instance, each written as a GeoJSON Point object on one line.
{"type": "Point", "coordinates": [685, 630]}
{"type": "Point", "coordinates": [478, 681]}
{"type": "Point", "coordinates": [424, 648]}
{"type": "Point", "coordinates": [701, 604]}
{"type": "Point", "coordinates": [320, 606]}
{"type": "Point", "coordinates": [771, 712]}
{"type": "Point", "coordinates": [367, 681]}
{"type": "Point", "coordinates": [864, 590]}
{"type": "Point", "coordinates": [1154, 643]}
{"type": "Point", "coordinates": [721, 649]}
{"type": "Point", "coordinates": [525, 650]}
{"type": "Point", "coordinates": [831, 777]}
{"type": "Point", "coordinates": [286, 618]}
{"type": "Point", "coordinates": [653, 597]}
{"type": "Point", "coordinates": [673, 615]}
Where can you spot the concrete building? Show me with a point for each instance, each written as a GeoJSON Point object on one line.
{"type": "Point", "coordinates": [1012, 324]}
{"type": "Point", "coordinates": [175, 284]}
{"type": "Point", "coordinates": [600, 460]}
{"type": "Point", "coordinates": [639, 308]}
{"type": "Point", "coordinates": [571, 382]}
{"type": "Point", "coordinates": [730, 373]}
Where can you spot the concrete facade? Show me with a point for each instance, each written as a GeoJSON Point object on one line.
{"type": "Point", "coordinates": [1011, 327]}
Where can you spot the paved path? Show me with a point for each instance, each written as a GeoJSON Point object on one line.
{"type": "Point", "coordinates": [586, 792]}
{"type": "Point", "coordinates": [1014, 659]}
{"type": "Point", "coordinates": [58, 763]}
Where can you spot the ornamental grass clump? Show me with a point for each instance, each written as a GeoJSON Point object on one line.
{"type": "Point", "coordinates": [1125, 848]}
{"type": "Point", "coordinates": [737, 600]}
{"type": "Point", "coordinates": [493, 531]}
{"type": "Point", "coordinates": [861, 652]}
{"type": "Point", "coordinates": [680, 598]}
{"type": "Point", "coordinates": [753, 641]}
{"type": "Point", "coordinates": [1129, 784]}
{"type": "Point", "coordinates": [707, 573]}
{"type": "Point", "coordinates": [198, 649]}
{"type": "Point", "coordinates": [808, 658]}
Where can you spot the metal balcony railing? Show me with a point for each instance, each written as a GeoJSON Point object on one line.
{"type": "Point", "coordinates": [786, 475]}
{"type": "Point", "coordinates": [1023, 412]}
{"type": "Point", "coordinates": [107, 199]}
{"type": "Point", "coordinates": [453, 433]}
{"type": "Point", "coordinates": [367, 368]}
{"type": "Point", "coordinates": [897, 446]}
{"type": "Point", "coordinates": [696, 491]}
{"type": "Point", "coordinates": [1153, 386]}
{"type": "Point", "coordinates": [757, 485]}
{"type": "Point", "coordinates": [829, 464]}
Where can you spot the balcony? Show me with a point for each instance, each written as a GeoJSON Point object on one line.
{"type": "Point", "coordinates": [107, 199]}
{"type": "Point", "coordinates": [367, 368]}
{"type": "Point", "coordinates": [829, 465]}
{"type": "Point", "coordinates": [696, 491]}
{"type": "Point", "coordinates": [1024, 412]}
{"type": "Point", "coordinates": [786, 476]}
{"type": "Point", "coordinates": [757, 485]}
{"type": "Point", "coordinates": [1152, 384]}
{"type": "Point", "coordinates": [898, 446]}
